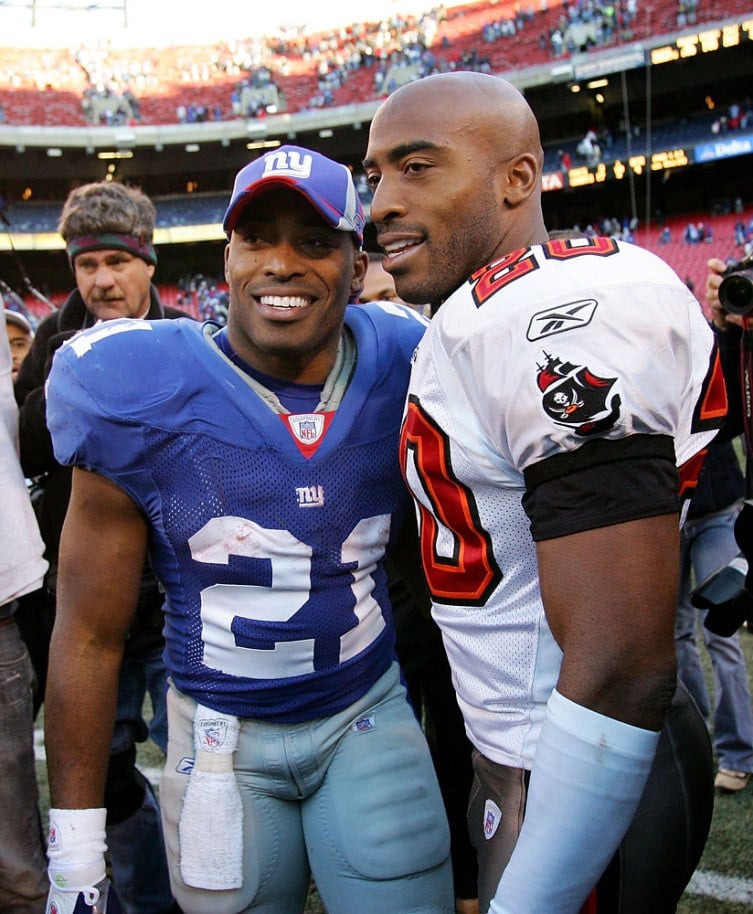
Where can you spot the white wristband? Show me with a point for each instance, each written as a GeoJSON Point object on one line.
{"type": "Point", "coordinates": [588, 776]}
{"type": "Point", "coordinates": [76, 848]}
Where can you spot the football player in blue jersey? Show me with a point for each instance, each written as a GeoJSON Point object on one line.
{"type": "Point", "coordinates": [258, 466]}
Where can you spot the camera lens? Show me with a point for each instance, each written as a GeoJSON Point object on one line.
{"type": "Point", "coordinates": [736, 292]}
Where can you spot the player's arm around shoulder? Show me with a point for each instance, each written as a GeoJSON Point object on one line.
{"type": "Point", "coordinates": [102, 554]}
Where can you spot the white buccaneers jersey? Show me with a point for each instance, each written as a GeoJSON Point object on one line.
{"type": "Point", "coordinates": [554, 358]}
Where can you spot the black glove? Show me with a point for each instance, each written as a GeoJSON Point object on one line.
{"type": "Point", "coordinates": [724, 595]}
{"type": "Point", "coordinates": [725, 618]}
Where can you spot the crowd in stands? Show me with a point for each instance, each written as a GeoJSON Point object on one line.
{"type": "Point", "coordinates": [204, 297]}
{"type": "Point", "coordinates": [738, 117]}
{"type": "Point", "coordinates": [294, 71]}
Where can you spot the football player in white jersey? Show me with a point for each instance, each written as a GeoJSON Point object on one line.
{"type": "Point", "coordinates": [558, 389]}
{"type": "Point", "coordinates": [259, 465]}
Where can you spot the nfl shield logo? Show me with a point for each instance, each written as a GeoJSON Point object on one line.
{"type": "Point", "coordinates": [307, 427]}
{"type": "Point", "coordinates": [307, 431]}
{"type": "Point", "coordinates": [492, 818]}
{"type": "Point", "coordinates": [212, 734]}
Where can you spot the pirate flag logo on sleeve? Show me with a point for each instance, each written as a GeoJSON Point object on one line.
{"type": "Point", "coordinates": [577, 398]}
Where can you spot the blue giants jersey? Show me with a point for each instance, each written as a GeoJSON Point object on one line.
{"type": "Point", "coordinates": [270, 554]}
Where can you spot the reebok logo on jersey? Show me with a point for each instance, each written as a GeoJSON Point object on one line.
{"type": "Point", "coordinates": [492, 818]}
{"type": "Point", "coordinates": [185, 765]}
{"type": "Point", "coordinates": [577, 398]}
{"type": "Point", "coordinates": [561, 318]}
{"type": "Point", "coordinates": [310, 496]}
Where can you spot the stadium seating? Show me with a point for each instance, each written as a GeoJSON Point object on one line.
{"type": "Point", "coordinates": [689, 260]}
{"type": "Point", "coordinates": [49, 91]}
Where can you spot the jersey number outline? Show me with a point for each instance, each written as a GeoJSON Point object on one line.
{"type": "Point", "coordinates": [490, 279]}
{"type": "Point", "coordinates": [471, 573]}
{"type": "Point", "coordinates": [222, 604]}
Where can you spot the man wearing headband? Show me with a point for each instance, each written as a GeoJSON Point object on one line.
{"type": "Point", "coordinates": [108, 229]}
{"type": "Point", "coordinates": [258, 465]}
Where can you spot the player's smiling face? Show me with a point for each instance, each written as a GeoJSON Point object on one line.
{"type": "Point", "coordinates": [434, 209]}
{"type": "Point", "coordinates": [290, 276]}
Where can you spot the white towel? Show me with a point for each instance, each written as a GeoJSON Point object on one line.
{"type": "Point", "coordinates": [210, 829]}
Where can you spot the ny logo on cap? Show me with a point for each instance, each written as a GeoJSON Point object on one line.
{"type": "Point", "coordinates": [288, 163]}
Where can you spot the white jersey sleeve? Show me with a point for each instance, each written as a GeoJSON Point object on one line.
{"type": "Point", "coordinates": [590, 340]}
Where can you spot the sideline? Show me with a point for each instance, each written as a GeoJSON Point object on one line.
{"type": "Point", "coordinates": [721, 888]}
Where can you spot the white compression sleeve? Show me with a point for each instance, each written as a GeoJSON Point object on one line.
{"type": "Point", "coordinates": [588, 776]}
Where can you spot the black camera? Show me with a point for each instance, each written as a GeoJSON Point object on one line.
{"type": "Point", "coordinates": [736, 290]}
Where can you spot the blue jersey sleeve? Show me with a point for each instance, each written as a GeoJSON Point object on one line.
{"type": "Point", "coordinates": [102, 383]}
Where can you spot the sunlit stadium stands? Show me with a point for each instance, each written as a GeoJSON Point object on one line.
{"type": "Point", "coordinates": [47, 88]}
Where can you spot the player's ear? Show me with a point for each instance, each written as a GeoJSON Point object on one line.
{"type": "Point", "coordinates": [360, 265]}
{"type": "Point", "coordinates": [227, 255]}
{"type": "Point", "coordinates": [519, 178]}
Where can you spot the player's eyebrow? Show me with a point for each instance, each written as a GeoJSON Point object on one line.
{"type": "Point", "coordinates": [404, 149]}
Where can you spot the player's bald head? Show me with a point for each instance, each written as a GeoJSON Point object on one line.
{"type": "Point", "coordinates": [487, 108]}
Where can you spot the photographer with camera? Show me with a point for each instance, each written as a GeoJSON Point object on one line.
{"type": "Point", "coordinates": [728, 595]}
{"type": "Point", "coordinates": [707, 543]}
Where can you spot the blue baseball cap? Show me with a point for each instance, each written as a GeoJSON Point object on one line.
{"type": "Point", "coordinates": [327, 185]}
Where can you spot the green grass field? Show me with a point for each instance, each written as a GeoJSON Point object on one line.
{"type": "Point", "coordinates": [729, 849]}
{"type": "Point", "coordinates": [725, 875]}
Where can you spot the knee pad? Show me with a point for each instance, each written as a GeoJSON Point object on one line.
{"type": "Point", "coordinates": [392, 821]}
{"type": "Point", "coordinates": [125, 786]}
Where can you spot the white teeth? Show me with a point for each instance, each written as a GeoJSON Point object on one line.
{"type": "Point", "coordinates": [399, 246]}
{"type": "Point", "coordinates": [284, 301]}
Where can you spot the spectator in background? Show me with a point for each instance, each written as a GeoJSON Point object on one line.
{"type": "Point", "coordinates": [108, 230]}
{"type": "Point", "coordinates": [707, 544]}
{"type": "Point", "coordinates": [20, 337]}
{"type": "Point", "coordinates": [733, 338]}
{"type": "Point", "coordinates": [23, 876]}
{"type": "Point", "coordinates": [589, 148]}
{"type": "Point", "coordinates": [378, 285]}
{"type": "Point", "coordinates": [691, 235]}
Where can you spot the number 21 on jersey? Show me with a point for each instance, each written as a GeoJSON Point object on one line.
{"type": "Point", "coordinates": [290, 559]}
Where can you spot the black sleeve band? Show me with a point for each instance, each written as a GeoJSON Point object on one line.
{"type": "Point", "coordinates": [601, 484]}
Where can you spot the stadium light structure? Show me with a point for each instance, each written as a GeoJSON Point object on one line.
{"type": "Point", "coordinates": [74, 6]}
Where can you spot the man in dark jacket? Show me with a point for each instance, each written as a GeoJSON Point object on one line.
{"type": "Point", "coordinates": [707, 544]}
{"type": "Point", "coordinates": [108, 230]}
